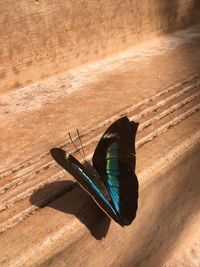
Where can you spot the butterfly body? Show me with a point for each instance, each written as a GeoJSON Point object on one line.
{"type": "Point", "coordinates": [111, 178]}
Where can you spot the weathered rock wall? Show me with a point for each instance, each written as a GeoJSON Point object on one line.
{"type": "Point", "coordinates": [40, 38]}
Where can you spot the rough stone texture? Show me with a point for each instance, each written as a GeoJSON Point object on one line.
{"type": "Point", "coordinates": [41, 38]}
{"type": "Point", "coordinates": [102, 89]}
{"type": "Point", "coordinates": [45, 218]}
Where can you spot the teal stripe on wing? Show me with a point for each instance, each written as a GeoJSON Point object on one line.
{"type": "Point", "coordinates": [113, 173]}
{"type": "Point", "coordinates": [95, 188]}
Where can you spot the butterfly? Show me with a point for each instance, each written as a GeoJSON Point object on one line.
{"type": "Point", "coordinates": [110, 180]}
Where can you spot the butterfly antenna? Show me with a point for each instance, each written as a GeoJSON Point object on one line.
{"type": "Point", "coordinates": [79, 137]}
{"type": "Point", "coordinates": [78, 150]}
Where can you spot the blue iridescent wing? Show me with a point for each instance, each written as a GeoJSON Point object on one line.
{"type": "Point", "coordinates": [114, 159]}
{"type": "Point", "coordinates": [84, 178]}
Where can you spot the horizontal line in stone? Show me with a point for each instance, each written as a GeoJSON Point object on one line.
{"type": "Point", "coordinates": [32, 210]}
{"type": "Point", "coordinates": [25, 213]}
{"type": "Point", "coordinates": [168, 125]}
{"type": "Point", "coordinates": [25, 178]}
{"type": "Point", "coordinates": [10, 201]}
{"type": "Point", "coordinates": [101, 124]}
{"type": "Point", "coordinates": [168, 111]}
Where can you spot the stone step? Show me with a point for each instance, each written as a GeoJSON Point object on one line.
{"type": "Point", "coordinates": [46, 219]}
{"type": "Point", "coordinates": [156, 117]}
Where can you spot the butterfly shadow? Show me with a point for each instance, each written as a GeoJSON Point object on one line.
{"type": "Point", "coordinates": [70, 198]}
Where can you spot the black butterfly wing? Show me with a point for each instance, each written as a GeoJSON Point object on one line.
{"type": "Point", "coordinates": [114, 159]}
{"type": "Point", "coordinates": [91, 186]}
